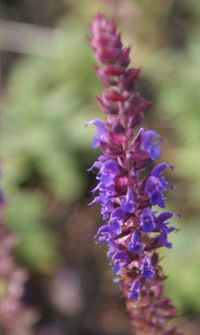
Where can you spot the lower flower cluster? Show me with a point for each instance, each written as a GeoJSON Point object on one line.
{"type": "Point", "coordinates": [132, 230]}
{"type": "Point", "coordinates": [151, 313]}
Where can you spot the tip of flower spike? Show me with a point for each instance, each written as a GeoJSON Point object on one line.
{"type": "Point", "coordinates": [99, 17]}
{"type": "Point", "coordinates": [105, 40]}
{"type": "Point", "coordinates": [101, 22]}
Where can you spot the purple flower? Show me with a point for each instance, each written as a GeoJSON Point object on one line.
{"type": "Point", "coordinates": [102, 132]}
{"type": "Point", "coordinates": [128, 202]}
{"type": "Point", "coordinates": [149, 145]}
{"type": "Point", "coordinates": [110, 169]}
{"type": "Point", "coordinates": [115, 226]}
{"type": "Point", "coordinates": [119, 259]}
{"type": "Point", "coordinates": [147, 220]}
{"type": "Point", "coordinates": [136, 243]}
{"type": "Point", "coordinates": [156, 184]}
{"type": "Point", "coordinates": [148, 271]}
{"type": "Point", "coordinates": [132, 230]}
{"type": "Point", "coordinates": [135, 290]}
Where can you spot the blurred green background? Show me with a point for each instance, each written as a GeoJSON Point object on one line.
{"type": "Point", "coordinates": [47, 94]}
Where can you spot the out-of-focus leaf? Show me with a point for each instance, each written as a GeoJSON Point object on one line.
{"type": "Point", "coordinates": [25, 214]}
{"type": "Point", "coordinates": [184, 269]}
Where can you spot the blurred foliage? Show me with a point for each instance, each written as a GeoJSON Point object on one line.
{"type": "Point", "coordinates": [44, 140]}
{"type": "Point", "coordinates": [179, 99]}
{"type": "Point", "coordinates": [182, 265]}
{"type": "Point", "coordinates": [46, 149]}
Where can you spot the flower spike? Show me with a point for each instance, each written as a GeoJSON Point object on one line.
{"type": "Point", "coordinates": [133, 231]}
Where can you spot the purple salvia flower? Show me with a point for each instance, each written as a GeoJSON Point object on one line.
{"type": "Point", "coordinates": [129, 203]}
{"type": "Point", "coordinates": [149, 145]}
{"type": "Point", "coordinates": [148, 271]}
{"type": "Point", "coordinates": [102, 132]}
{"type": "Point", "coordinates": [136, 243]}
{"type": "Point", "coordinates": [147, 220]}
{"type": "Point", "coordinates": [133, 230]}
{"type": "Point", "coordinates": [135, 290]}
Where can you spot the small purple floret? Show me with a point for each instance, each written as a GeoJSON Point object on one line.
{"type": "Point", "coordinates": [135, 290]}
{"type": "Point", "coordinates": [136, 244]}
{"type": "Point", "coordinates": [147, 221]}
{"type": "Point", "coordinates": [149, 145]}
{"type": "Point", "coordinates": [128, 203]}
{"type": "Point", "coordinates": [147, 269]}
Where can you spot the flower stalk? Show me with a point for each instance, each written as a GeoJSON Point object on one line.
{"type": "Point", "coordinates": [128, 187]}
